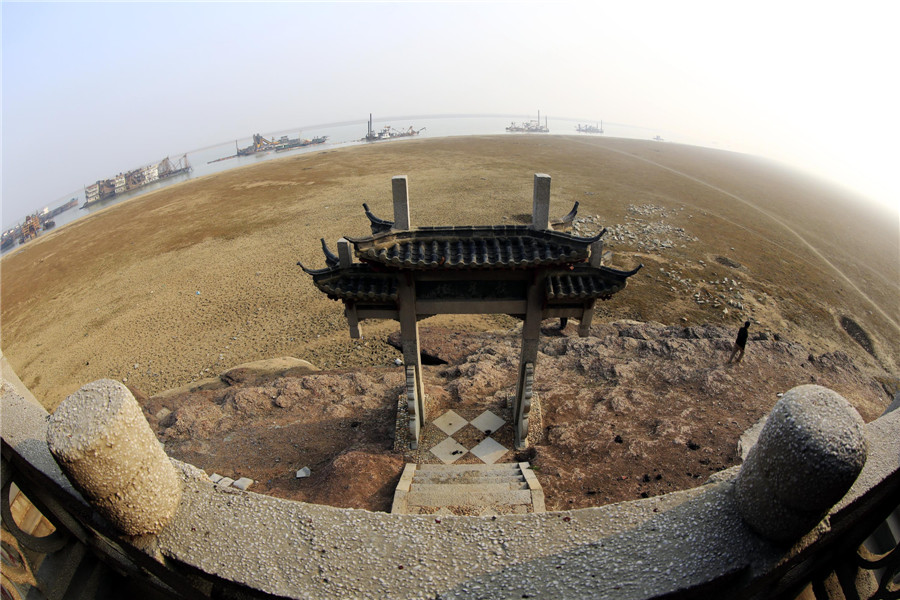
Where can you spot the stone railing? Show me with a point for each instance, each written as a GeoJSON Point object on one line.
{"type": "Point", "coordinates": [813, 488]}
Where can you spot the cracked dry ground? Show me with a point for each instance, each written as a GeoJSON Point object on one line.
{"type": "Point", "coordinates": [635, 410]}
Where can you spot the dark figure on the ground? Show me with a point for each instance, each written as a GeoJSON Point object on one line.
{"type": "Point", "coordinates": [563, 322]}
{"type": "Point", "coordinates": [740, 342]}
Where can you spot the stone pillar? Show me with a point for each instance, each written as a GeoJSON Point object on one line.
{"type": "Point", "coordinates": [345, 253]}
{"type": "Point", "coordinates": [409, 341]}
{"type": "Point", "coordinates": [587, 317]}
{"type": "Point", "coordinates": [809, 453]}
{"type": "Point", "coordinates": [596, 259]}
{"type": "Point", "coordinates": [540, 210]}
{"type": "Point", "coordinates": [401, 202]}
{"type": "Point", "coordinates": [531, 333]}
{"type": "Point", "coordinates": [100, 438]}
{"type": "Point", "coordinates": [352, 319]}
{"type": "Point", "coordinates": [345, 256]}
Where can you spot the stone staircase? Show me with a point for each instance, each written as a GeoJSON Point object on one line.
{"type": "Point", "coordinates": [475, 490]}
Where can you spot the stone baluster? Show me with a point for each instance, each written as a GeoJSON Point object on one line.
{"type": "Point", "coordinates": [809, 453]}
{"type": "Point", "coordinates": [103, 443]}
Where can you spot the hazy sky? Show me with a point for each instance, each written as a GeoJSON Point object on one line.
{"type": "Point", "coordinates": [89, 90]}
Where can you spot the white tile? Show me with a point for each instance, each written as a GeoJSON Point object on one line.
{"type": "Point", "coordinates": [445, 450]}
{"type": "Point", "coordinates": [243, 483]}
{"type": "Point", "coordinates": [450, 422]}
{"type": "Point", "coordinates": [488, 421]}
{"type": "Point", "coordinates": [489, 451]}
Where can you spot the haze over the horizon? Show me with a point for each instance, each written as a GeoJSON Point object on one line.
{"type": "Point", "coordinates": [90, 90]}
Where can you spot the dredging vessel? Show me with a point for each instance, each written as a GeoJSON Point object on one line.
{"type": "Point", "coordinates": [533, 126]}
{"type": "Point", "coordinates": [33, 224]}
{"type": "Point", "coordinates": [286, 143]}
{"type": "Point", "coordinates": [135, 179]}
{"type": "Point", "coordinates": [590, 128]}
{"type": "Point", "coordinates": [388, 132]}
{"type": "Point", "coordinates": [261, 145]}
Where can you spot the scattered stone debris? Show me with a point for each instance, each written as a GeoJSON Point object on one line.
{"type": "Point", "coordinates": [644, 234]}
{"type": "Point", "coordinates": [243, 483]}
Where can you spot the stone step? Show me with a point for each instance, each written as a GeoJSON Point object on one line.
{"type": "Point", "coordinates": [468, 490]}
{"type": "Point", "coordinates": [469, 498]}
{"type": "Point", "coordinates": [495, 468]}
{"type": "Point", "coordinates": [467, 487]}
{"type": "Point", "coordinates": [466, 479]}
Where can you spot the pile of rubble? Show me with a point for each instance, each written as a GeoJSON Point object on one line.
{"type": "Point", "coordinates": [645, 235]}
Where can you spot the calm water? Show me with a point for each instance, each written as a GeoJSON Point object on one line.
{"type": "Point", "coordinates": [342, 135]}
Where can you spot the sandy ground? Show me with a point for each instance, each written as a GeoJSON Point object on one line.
{"type": "Point", "coordinates": [182, 283]}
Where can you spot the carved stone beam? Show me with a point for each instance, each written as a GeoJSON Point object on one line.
{"type": "Point", "coordinates": [524, 392]}
{"type": "Point", "coordinates": [409, 338]}
{"type": "Point", "coordinates": [412, 406]}
{"type": "Point", "coordinates": [531, 333]}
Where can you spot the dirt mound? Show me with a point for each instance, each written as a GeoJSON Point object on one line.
{"type": "Point", "coordinates": [728, 262]}
{"type": "Point", "coordinates": [635, 410]}
{"type": "Point", "coordinates": [858, 334]}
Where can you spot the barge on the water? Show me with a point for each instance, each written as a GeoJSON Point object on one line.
{"type": "Point", "coordinates": [533, 126]}
{"type": "Point", "coordinates": [135, 179]}
{"type": "Point", "coordinates": [590, 128]}
{"type": "Point", "coordinates": [388, 133]}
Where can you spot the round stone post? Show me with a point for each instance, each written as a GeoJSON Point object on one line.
{"type": "Point", "coordinates": [809, 453]}
{"type": "Point", "coordinates": [102, 441]}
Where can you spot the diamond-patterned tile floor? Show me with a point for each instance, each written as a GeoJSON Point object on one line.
{"type": "Point", "coordinates": [450, 422]}
{"type": "Point", "coordinates": [449, 451]}
{"type": "Point", "coordinates": [466, 435]}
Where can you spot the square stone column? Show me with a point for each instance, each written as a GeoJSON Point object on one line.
{"type": "Point", "coordinates": [345, 253]}
{"type": "Point", "coordinates": [401, 202]}
{"type": "Point", "coordinates": [540, 210]}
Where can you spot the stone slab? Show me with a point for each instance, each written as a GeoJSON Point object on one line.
{"type": "Point", "coordinates": [449, 422]}
{"type": "Point", "coordinates": [243, 483]}
{"type": "Point", "coordinates": [468, 498]}
{"type": "Point", "coordinates": [487, 421]}
{"type": "Point", "coordinates": [489, 450]}
{"type": "Point", "coordinates": [449, 451]}
{"type": "Point", "coordinates": [468, 487]}
{"type": "Point", "coordinates": [469, 478]}
{"type": "Point", "coordinates": [496, 468]}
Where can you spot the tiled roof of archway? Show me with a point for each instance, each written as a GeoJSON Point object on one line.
{"type": "Point", "coordinates": [503, 246]}
{"type": "Point", "coordinates": [586, 283]}
{"type": "Point", "coordinates": [358, 283]}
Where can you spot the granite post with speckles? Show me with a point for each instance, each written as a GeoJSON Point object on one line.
{"type": "Point", "coordinates": [809, 453]}
{"type": "Point", "coordinates": [103, 443]}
